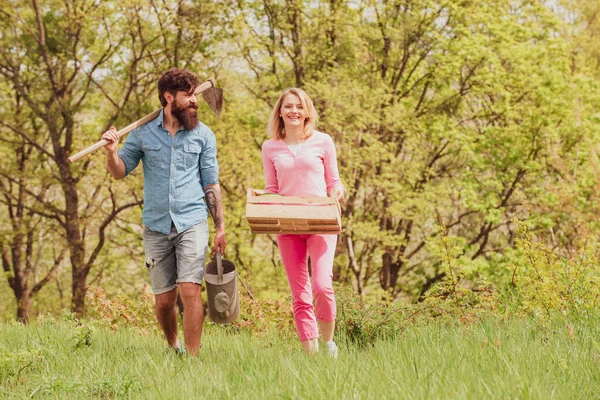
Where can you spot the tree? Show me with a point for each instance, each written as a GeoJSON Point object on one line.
{"type": "Point", "coordinates": [442, 113]}
{"type": "Point", "coordinates": [65, 61]}
{"type": "Point", "coordinates": [25, 243]}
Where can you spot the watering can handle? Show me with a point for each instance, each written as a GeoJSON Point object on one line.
{"type": "Point", "coordinates": [219, 267]}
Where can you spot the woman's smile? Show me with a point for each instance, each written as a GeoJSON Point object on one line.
{"type": "Point", "coordinates": [292, 110]}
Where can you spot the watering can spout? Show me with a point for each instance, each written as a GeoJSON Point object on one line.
{"type": "Point", "coordinates": [222, 304]}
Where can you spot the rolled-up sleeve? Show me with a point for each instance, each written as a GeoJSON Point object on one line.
{"type": "Point", "coordinates": [209, 167]}
{"type": "Point", "coordinates": [131, 153]}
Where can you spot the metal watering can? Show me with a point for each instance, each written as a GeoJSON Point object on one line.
{"type": "Point", "coordinates": [221, 290]}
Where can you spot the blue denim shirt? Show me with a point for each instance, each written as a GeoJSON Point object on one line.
{"type": "Point", "coordinates": [176, 169]}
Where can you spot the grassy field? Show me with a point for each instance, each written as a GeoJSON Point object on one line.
{"type": "Point", "coordinates": [496, 360]}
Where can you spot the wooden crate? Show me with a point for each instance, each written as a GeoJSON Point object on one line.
{"type": "Point", "coordinates": [292, 214]}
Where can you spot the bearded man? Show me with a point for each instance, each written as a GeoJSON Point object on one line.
{"type": "Point", "coordinates": [181, 185]}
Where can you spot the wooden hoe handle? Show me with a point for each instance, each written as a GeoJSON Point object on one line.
{"type": "Point", "coordinates": [206, 85]}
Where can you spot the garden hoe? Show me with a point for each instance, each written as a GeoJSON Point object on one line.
{"type": "Point", "coordinates": [210, 92]}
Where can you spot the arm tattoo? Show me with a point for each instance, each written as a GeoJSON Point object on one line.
{"type": "Point", "coordinates": [215, 204]}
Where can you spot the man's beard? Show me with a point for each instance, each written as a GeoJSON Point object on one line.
{"type": "Point", "coordinates": [187, 116]}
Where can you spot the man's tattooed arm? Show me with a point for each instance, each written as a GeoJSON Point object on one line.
{"type": "Point", "coordinates": [215, 206]}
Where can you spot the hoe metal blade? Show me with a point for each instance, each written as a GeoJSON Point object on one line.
{"type": "Point", "coordinates": [214, 98]}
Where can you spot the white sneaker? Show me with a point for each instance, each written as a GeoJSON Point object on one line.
{"type": "Point", "coordinates": [332, 349]}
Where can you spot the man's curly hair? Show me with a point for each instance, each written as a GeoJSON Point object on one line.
{"type": "Point", "coordinates": [175, 80]}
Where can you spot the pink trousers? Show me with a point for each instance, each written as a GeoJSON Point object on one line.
{"type": "Point", "coordinates": [321, 249]}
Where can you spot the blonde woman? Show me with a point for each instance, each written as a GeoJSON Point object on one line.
{"type": "Point", "coordinates": [300, 161]}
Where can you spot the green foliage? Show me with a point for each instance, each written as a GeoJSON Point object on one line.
{"type": "Point", "coordinates": [531, 280]}
{"type": "Point", "coordinates": [544, 283]}
{"type": "Point", "coordinates": [465, 115]}
{"type": "Point", "coordinates": [492, 358]}
{"type": "Point", "coordinates": [123, 311]}
{"type": "Point", "coordinates": [13, 363]}
{"type": "Point", "coordinates": [363, 323]}
{"type": "Point", "coordinates": [265, 318]}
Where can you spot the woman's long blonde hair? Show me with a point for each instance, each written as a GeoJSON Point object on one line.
{"type": "Point", "coordinates": [275, 125]}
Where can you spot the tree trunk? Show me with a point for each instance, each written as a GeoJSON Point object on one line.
{"type": "Point", "coordinates": [17, 276]}
{"type": "Point", "coordinates": [79, 269]}
{"type": "Point", "coordinates": [388, 277]}
{"type": "Point", "coordinates": [79, 290]}
{"type": "Point", "coordinates": [24, 306]}
{"type": "Point", "coordinates": [295, 21]}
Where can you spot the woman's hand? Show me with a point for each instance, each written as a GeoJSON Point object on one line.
{"type": "Point", "coordinates": [339, 192]}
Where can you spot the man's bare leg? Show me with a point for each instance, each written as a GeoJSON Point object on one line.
{"type": "Point", "coordinates": [167, 315]}
{"type": "Point", "coordinates": [193, 316]}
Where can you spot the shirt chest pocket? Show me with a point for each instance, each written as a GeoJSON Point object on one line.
{"type": "Point", "coordinates": [152, 153]}
{"type": "Point", "coordinates": [191, 155]}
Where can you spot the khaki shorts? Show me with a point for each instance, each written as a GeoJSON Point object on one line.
{"type": "Point", "coordinates": [176, 257]}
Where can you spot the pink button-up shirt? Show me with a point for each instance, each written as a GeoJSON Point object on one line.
{"type": "Point", "coordinates": [313, 171]}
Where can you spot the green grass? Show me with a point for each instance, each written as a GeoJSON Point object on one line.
{"type": "Point", "coordinates": [495, 360]}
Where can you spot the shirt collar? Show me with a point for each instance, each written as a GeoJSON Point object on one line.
{"type": "Point", "coordinates": [160, 118]}
{"type": "Point", "coordinates": [160, 121]}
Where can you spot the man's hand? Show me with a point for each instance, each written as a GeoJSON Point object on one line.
{"type": "Point", "coordinates": [220, 242]}
{"type": "Point", "coordinates": [113, 140]}
{"type": "Point", "coordinates": [114, 164]}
